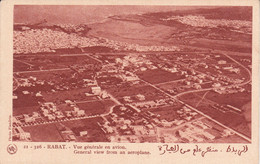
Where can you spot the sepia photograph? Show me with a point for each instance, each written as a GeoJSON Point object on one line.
{"type": "Point", "coordinates": [137, 81]}
{"type": "Point", "coordinates": [132, 74]}
{"type": "Point", "coordinates": [140, 81]}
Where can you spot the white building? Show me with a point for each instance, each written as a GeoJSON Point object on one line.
{"type": "Point", "coordinates": [140, 97]}
{"type": "Point", "coordinates": [96, 90]}
{"type": "Point", "coordinates": [83, 133]}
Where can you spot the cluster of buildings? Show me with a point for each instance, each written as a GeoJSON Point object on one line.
{"type": "Point", "coordinates": [27, 119]}
{"type": "Point", "coordinates": [128, 123]}
{"type": "Point", "coordinates": [194, 80]}
{"type": "Point", "coordinates": [133, 121]}
{"type": "Point", "coordinates": [20, 134]}
{"type": "Point", "coordinates": [228, 90]}
{"type": "Point", "coordinates": [95, 90]}
{"type": "Point", "coordinates": [34, 87]}
{"type": "Point", "coordinates": [184, 114]}
{"type": "Point", "coordinates": [201, 21]}
{"type": "Point", "coordinates": [73, 111]}
{"type": "Point", "coordinates": [48, 40]}
{"type": "Point", "coordinates": [135, 60]}
{"type": "Point", "coordinates": [218, 79]}
{"type": "Point", "coordinates": [111, 76]}
{"type": "Point", "coordinates": [140, 62]}
{"type": "Point", "coordinates": [66, 133]}
{"type": "Point", "coordinates": [26, 84]}
{"type": "Point", "coordinates": [150, 104]}
{"type": "Point", "coordinates": [48, 112]}
{"type": "Point", "coordinates": [130, 99]}
{"type": "Point", "coordinates": [195, 132]}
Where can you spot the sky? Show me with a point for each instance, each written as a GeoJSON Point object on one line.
{"type": "Point", "coordinates": [81, 14]}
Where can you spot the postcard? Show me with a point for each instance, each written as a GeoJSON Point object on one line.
{"type": "Point", "coordinates": [129, 81]}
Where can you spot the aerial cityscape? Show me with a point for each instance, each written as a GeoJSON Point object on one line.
{"type": "Point", "coordinates": [149, 75]}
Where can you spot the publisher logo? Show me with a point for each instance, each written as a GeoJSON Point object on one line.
{"type": "Point", "coordinates": [11, 148]}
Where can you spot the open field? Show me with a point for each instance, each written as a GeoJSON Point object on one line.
{"type": "Point", "coordinates": [236, 99]}
{"type": "Point", "coordinates": [53, 61]}
{"type": "Point", "coordinates": [95, 134]}
{"type": "Point", "coordinates": [44, 133]}
{"type": "Point", "coordinates": [168, 113]}
{"type": "Point", "coordinates": [48, 74]}
{"type": "Point", "coordinates": [96, 107]}
{"type": "Point", "coordinates": [25, 101]}
{"type": "Point", "coordinates": [20, 66]}
{"type": "Point", "coordinates": [74, 95]}
{"type": "Point", "coordinates": [234, 46]}
{"type": "Point", "coordinates": [158, 76]}
{"type": "Point", "coordinates": [149, 92]}
{"type": "Point", "coordinates": [25, 110]}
